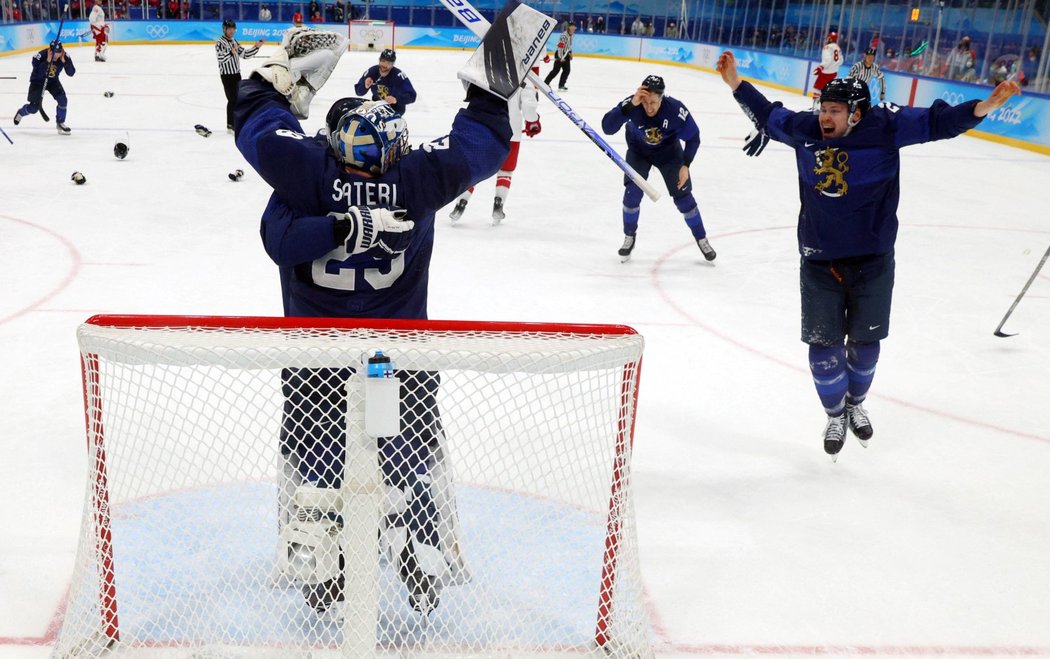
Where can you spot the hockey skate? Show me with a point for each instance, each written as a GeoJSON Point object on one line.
{"type": "Point", "coordinates": [859, 423]}
{"type": "Point", "coordinates": [497, 211]}
{"type": "Point", "coordinates": [18, 117]}
{"type": "Point", "coordinates": [423, 589]}
{"type": "Point", "coordinates": [626, 249]}
{"type": "Point", "coordinates": [62, 128]}
{"type": "Point", "coordinates": [457, 212]}
{"type": "Point", "coordinates": [706, 249]}
{"type": "Point", "coordinates": [835, 435]}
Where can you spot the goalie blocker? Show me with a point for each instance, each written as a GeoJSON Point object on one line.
{"type": "Point", "coordinates": [508, 50]}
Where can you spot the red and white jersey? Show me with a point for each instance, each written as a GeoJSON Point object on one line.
{"type": "Point", "coordinates": [97, 18]}
{"type": "Point", "coordinates": [831, 58]}
{"type": "Point", "coordinates": [522, 107]}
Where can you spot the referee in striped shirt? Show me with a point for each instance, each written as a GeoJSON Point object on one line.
{"type": "Point", "coordinates": [866, 69]}
{"type": "Point", "coordinates": [229, 51]}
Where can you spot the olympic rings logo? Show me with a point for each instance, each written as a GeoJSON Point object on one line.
{"type": "Point", "coordinates": [371, 33]}
{"type": "Point", "coordinates": [157, 31]}
{"type": "Point", "coordinates": [953, 98]}
{"type": "Point", "coordinates": [587, 43]}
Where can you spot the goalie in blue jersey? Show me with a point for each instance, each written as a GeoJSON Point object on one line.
{"type": "Point", "coordinates": [351, 226]}
{"type": "Point", "coordinates": [848, 158]}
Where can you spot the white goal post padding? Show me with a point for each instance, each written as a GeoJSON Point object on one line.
{"type": "Point", "coordinates": [513, 459]}
{"type": "Point", "coordinates": [371, 35]}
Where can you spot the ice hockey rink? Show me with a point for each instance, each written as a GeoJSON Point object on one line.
{"type": "Point", "coordinates": [932, 541]}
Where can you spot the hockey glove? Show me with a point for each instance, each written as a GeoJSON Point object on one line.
{"type": "Point", "coordinates": [380, 232]}
{"type": "Point", "coordinates": [532, 128]}
{"type": "Point", "coordinates": [755, 142]}
{"type": "Point", "coordinates": [547, 58]}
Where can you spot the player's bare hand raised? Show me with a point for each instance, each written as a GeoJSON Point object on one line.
{"type": "Point", "coordinates": [997, 99]}
{"type": "Point", "coordinates": [727, 68]}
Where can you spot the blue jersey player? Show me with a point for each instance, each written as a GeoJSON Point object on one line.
{"type": "Point", "coordinates": [48, 64]}
{"type": "Point", "coordinates": [351, 226]}
{"type": "Point", "coordinates": [849, 183]}
{"type": "Point", "coordinates": [657, 126]}
{"type": "Point", "coordinates": [386, 82]}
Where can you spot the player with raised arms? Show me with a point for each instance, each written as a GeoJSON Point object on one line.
{"type": "Point", "coordinates": [351, 226]}
{"type": "Point", "coordinates": [848, 159]}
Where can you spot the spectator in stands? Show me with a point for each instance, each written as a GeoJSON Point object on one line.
{"type": "Point", "coordinates": [638, 27]}
{"type": "Point", "coordinates": [671, 30]}
{"type": "Point", "coordinates": [339, 12]}
{"type": "Point", "coordinates": [1030, 66]}
{"type": "Point", "coordinates": [313, 10]}
{"type": "Point", "coordinates": [599, 25]}
{"type": "Point", "coordinates": [650, 29]}
{"type": "Point", "coordinates": [961, 62]}
{"type": "Point", "coordinates": [317, 17]}
{"type": "Point", "coordinates": [265, 14]}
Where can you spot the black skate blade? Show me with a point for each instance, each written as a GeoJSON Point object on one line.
{"type": "Point", "coordinates": [1002, 335]}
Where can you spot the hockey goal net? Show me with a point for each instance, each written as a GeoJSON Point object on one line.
{"type": "Point", "coordinates": [254, 492]}
{"type": "Point", "coordinates": [371, 35]}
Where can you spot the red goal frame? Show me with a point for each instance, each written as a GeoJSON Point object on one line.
{"type": "Point", "coordinates": [92, 390]}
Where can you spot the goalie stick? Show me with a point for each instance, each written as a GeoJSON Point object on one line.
{"type": "Point", "coordinates": [999, 330]}
{"type": "Point", "coordinates": [479, 25]}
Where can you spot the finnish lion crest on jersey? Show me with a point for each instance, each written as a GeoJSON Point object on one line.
{"type": "Point", "coordinates": [383, 90]}
{"type": "Point", "coordinates": [653, 135]}
{"type": "Point", "coordinates": [832, 166]}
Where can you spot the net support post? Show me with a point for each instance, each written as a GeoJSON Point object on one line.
{"type": "Point", "coordinates": [362, 490]}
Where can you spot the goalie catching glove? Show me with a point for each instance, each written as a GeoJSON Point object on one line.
{"type": "Point", "coordinates": [302, 65]}
{"type": "Point", "coordinates": [380, 232]}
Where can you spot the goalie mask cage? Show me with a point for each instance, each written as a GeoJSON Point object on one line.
{"type": "Point", "coordinates": [371, 35]}
{"type": "Point", "coordinates": [507, 491]}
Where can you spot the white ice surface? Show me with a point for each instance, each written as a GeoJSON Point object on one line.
{"type": "Point", "coordinates": [935, 540]}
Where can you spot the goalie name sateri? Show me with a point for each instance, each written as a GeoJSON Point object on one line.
{"type": "Point", "coordinates": [366, 193]}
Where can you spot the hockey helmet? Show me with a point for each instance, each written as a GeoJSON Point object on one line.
{"type": "Point", "coordinates": [869, 51]}
{"type": "Point", "coordinates": [654, 84]}
{"type": "Point", "coordinates": [371, 136]}
{"type": "Point", "coordinates": [388, 55]}
{"type": "Point", "coordinates": [851, 91]}
{"type": "Point", "coordinates": [833, 36]}
{"type": "Point", "coordinates": [228, 23]}
{"type": "Point", "coordinates": [56, 45]}
{"type": "Point", "coordinates": [120, 149]}
{"type": "Point", "coordinates": [297, 19]}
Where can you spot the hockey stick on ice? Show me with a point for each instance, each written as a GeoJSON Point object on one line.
{"type": "Point", "coordinates": [6, 135]}
{"type": "Point", "coordinates": [999, 330]}
{"type": "Point", "coordinates": [479, 25]}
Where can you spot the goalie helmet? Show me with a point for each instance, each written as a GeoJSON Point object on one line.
{"type": "Point", "coordinates": [851, 91]}
{"type": "Point", "coordinates": [338, 109]}
{"type": "Point", "coordinates": [371, 136]}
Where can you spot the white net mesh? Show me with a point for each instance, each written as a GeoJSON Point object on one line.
{"type": "Point", "coordinates": [237, 507]}
{"type": "Point", "coordinates": [371, 35]}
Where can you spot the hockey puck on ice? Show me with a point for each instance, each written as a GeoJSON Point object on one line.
{"type": "Point", "coordinates": [78, 178]}
{"type": "Point", "coordinates": [236, 175]}
{"type": "Point", "coordinates": [108, 94]}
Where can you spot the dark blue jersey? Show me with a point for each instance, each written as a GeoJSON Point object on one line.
{"type": "Point", "coordinates": [44, 70]}
{"type": "Point", "coordinates": [849, 186]}
{"type": "Point", "coordinates": [649, 135]}
{"type": "Point", "coordinates": [395, 83]}
{"type": "Point", "coordinates": [318, 277]}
